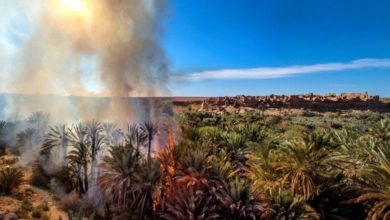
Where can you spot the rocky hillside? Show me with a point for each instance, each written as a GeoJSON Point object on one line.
{"type": "Point", "coordinates": [328, 102]}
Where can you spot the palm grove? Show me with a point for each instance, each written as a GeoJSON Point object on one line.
{"type": "Point", "coordinates": [235, 166]}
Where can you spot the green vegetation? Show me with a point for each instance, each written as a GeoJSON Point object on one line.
{"type": "Point", "coordinates": [25, 208]}
{"type": "Point", "coordinates": [10, 179]}
{"type": "Point", "coordinates": [221, 166]}
{"type": "Point", "coordinates": [300, 166]}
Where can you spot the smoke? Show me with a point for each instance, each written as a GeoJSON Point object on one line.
{"type": "Point", "coordinates": [81, 60]}
{"type": "Point", "coordinates": [88, 47]}
{"type": "Point", "coordinates": [105, 48]}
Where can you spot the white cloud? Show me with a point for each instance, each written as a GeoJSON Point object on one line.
{"type": "Point", "coordinates": [280, 72]}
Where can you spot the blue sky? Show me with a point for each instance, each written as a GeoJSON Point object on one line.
{"type": "Point", "coordinates": [273, 42]}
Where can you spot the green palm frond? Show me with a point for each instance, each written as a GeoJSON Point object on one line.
{"type": "Point", "coordinates": [10, 178]}
{"type": "Point", "coordinates": [288, 206]}
{"type": "Point", "coordinates": [188, 204]}
{"type": "Point", "coordinates": [56, 137]}
{"type": "Point", "coordinates": [237, 202]}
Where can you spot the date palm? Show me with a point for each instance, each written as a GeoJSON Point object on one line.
{"type": "Point", "coordinates": [78, 157]}
{"type": "Point", "coordinates": [10, 179]}
{"type": "Point", "coordinates": [381, 129]}
{"type": "Point", "coordinates": [117, 179]}
{"type": "Point", "coordinates": [27, 138]}
{"type": "Point", "coordinates": [265, 175]}
{"type": "Point", "coordinates": [189, 204]}
{"type": "Point", "coordinates": [95, 140]}
{"type": "Point", "coordinates": [375, 185]}
{"type": "Point", "coordinates": [307, 162]}
{"type": "Point", "coordinates": [79, 215]}
{"type": "Point", "coordinates": [147, 181]}
{"type": "Point", "coordinates": [237, 202]}
{"type": "Point", "coordinates": [136, 137]}
{"type": "Point", "coordinates": [150, 129]}
{"type": "Point", "coordinates": [78, 162]}
{"type": "Point", "coordinates": [39, 121]}
{"type": "Point", "coordinates": [236, 145]}
{"type": "Point", "coordinates": [192, 169]}
{"type": "Point", "coordinates": [57, 137]}
{"type": "Point", "coordinates": [112, 134]}
{"type": "Point", "coordinates": [291, 207]}
{"type": "Point", "coordinates": [220, 170]}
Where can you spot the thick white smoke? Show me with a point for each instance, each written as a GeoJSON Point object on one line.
{"type": "Point", "coordinates": [81, 60]}
{"type": "Point", "coordinates": [103, 48]}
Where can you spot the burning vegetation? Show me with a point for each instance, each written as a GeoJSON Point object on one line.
{"type": "Point", "coordinates": [234, 166]}
{"type": "Point", "coordinates": [86, 148]}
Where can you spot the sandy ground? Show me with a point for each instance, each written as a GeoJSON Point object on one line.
{"type": "Point", "coordinates": [35, 195]}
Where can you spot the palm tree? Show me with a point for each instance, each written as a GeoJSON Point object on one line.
{"type": "Point", "coordinates": [236, 145]}
{"type": "Point", "coordinates": [128, 181]}
{"type": "Point", "coordinates": [79, 216]}
{"type": "Point", "coordinates": [213, 136]}
{"type": "Point", "coordinates": [112, 133]}
{"type": "Point", "coordinates": [95, 144]}
{"type": "Point", "coordinates": [220, 170]}
{"type": "Point", "coordinates": [117, 180]}
{"type": "Point", "coordinates": [27, 138]}
{"type": "Point", "coordinates": [375, 181]}
{"type": "Point", "coordinates": [79, 156]}
{"type": "Point", "coordinates": [237, 202]}
{"type": "Point", "coordinates": [147, 179]}
{"type": "Point", "coordinates": [189, 204]}
{"type": "Point", "coordinates": [10, 178]}
{"type": "Point", "coordinates": [192, 170]}
{"type": "Point", "coordinates": [39, 121]}
{"type": "Point", "coordinates": [136, 137]}
{"type": "Point", "coordinates": [57, 137]}
{"type": "Point", "coordinates": [381, 129]}
{"type": "Point", "coordinates": [149, 130]}
{"type": "Point", "coordinates": [307, 162]}
{"type": "Point", "coordinates": [291, 207]}
{"type": "Point", "coordinates": [78, 162]}
{"type": "Point", "coordinates": [265, 174]}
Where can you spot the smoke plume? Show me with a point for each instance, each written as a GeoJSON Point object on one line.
{"type": "Point", "coordinates": [104, 48]}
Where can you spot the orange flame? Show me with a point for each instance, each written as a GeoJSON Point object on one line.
{"type": "Point", "coordinates": [171, 140]}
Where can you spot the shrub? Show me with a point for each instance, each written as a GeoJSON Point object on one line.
{"type": "Point", "coordinates": [22, 214]}
{"type": "Point", "coordinates": [273, 119]}
{"type": "Point", "coordinates": [37, 213]}
{"type": "Point", "coordinates": [80, 215]}
{"type": "Point", "coordinates": [64, 178]}
{"type": "Point", "coordinates": [308, 113]}
{"type": "Point", "coordinates": [24, 210]}
{"type": "Point", "coordinates": [71, 202]}
{"type": "Point", "coordinates": [28, 192]}
{"type": "Point", "coordinates": [45, 217]}
{"type": "Point", "coordinates": [10, 179]}
{"type": "Point", "coordinates": [45, 207]}
{"type": "Point", "coordinates": [39, 177]}
{"type": "Point", "coordinates": [336, 125]}
{"type": "Point", "coordinates": [26, 205]}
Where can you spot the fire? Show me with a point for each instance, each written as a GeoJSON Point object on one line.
{"type": "Point", "coordinates": [171, 140]}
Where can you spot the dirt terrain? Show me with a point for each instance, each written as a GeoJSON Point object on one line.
{"type": "Point", "coordinates": [10, 204]}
